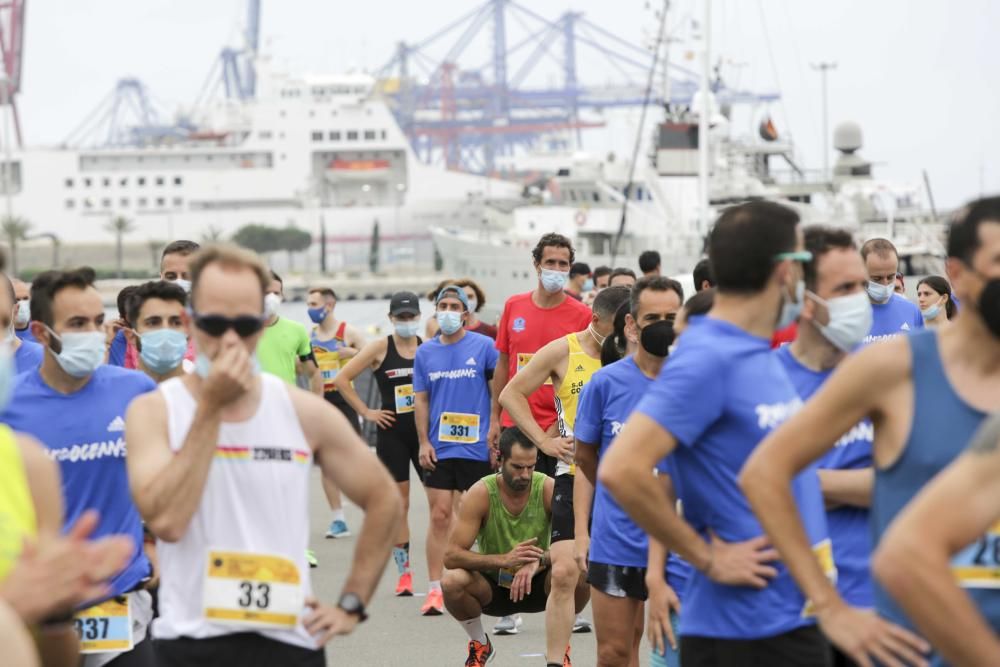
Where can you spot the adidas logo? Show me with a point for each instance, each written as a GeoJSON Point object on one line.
{"type": "Point", "coordinates": [117, 425]}
{"type": "Point", "coordinates": [471, 361]}
{"type": "Point", "coordinates": [579, 369]}
{"type": "Point", "coordinates": [905, 327]}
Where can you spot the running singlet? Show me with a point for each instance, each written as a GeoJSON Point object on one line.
{"type": "Point", "coordinates": [605, 405]}
{"type": "Point", "coordinates": [523, 330]}
{"type": "Point", "coordinates": [456, 378]}
{"type": "Point", "coordinates": [580, 367]}
{"type": "Point", "coordinates": [17, 509]}
{"type": "Point", "coordinates": [719, 394]}
{"type": "Point", "coordinates": [394, 378]}
{"type": "Point", "coordinates": [282, 344]}
{"type": "Point", "coordinates": [241, 566]}
{"type": "Point", "coordinates": [502, 531]}
{"type": "Point", "coordinates": [84, 433]}
{"type": "Point", "coordinates": [894, 317]}
{"type": "Point", "coordinates": [28, 357]}
{"type": "Point", "coordinates": [849, 529]}
{"type": "Point", "coordinates": [327, 354]}
{"type": "Point", "coordinates": [943, 425]}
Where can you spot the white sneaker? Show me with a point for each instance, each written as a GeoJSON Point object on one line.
{"type": "Point", "coordinates": [508, 625]}
{"type": "Point", "coordinates": [581, 625]}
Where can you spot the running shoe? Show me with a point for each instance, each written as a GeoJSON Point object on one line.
{"type": "Point", "coordinates": [480, 654]}
{"type": "Point", "coordinates": [311, 558]}
{"type": "Point", "coordinates": [508, 625]}
{"type": "Point", "coordinates": [434, 604]}
{"type": "Point", "coordinates": [581, 625]}
{"type": "Point", "coordinates": [404, 588]}
{"type": "Point", "coordinates": [339, 529]}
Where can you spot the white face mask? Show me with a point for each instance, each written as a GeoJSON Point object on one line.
{"type": "Point", "coordinates": [23, 315]}
{"type": "Point", "coordinates": [850, 320]}
{"type": "Point", "coordinates": [271, 304]}
{"type": "Point", "coordinates": [879, 293]}
{"type": "Point", "coordinates": [184, 285]}
{"type": "Point", "coordinates": [473, 304]}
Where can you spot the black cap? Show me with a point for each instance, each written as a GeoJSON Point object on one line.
{"type": "Point", "coordinates": [404, 303]}
{"type": "Point", "coordinates": [579, 269]}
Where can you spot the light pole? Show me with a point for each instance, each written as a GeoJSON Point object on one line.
{"type": "Point", "coordinates": [8, 164]}
{"type": "Point", "coordinates": [823, 68]}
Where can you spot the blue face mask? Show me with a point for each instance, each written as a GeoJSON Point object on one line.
{"type": "Point", "coordinates": [554, 281]}
{"type": "Point", "coordinates": [162, 350]}
{"type": "Point", "coordinates": [6, 375]}
{"type": "Point", "coordinates": [317, 315]}
{"type": "Point", "coordinates": [203, 365]}
{"type": "Point", "coordinates": [449, 321]}
{"type": "Point", "coordinates": [406, 329]}
{"type": "Point", "coordinates": [878, 292]}
{"type": "Point", "coordinates": [931, 312]}
{"type": "Point", "coordinates": [81, 353]}
{"type": "Point", "coordinates": [589, 285]}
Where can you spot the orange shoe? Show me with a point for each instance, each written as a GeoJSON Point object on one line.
{"type": "Point", "coordinates": [566, 661]}
{"type": "Point", "coordinates": [434, 604]}
{"type": "Point", "coordinates": [480, 654]}
{"type": "Point", "coordinates": [404, 588]}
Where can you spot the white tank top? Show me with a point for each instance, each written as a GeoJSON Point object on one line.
{"type": "Point", "coordinates": [241, 564]}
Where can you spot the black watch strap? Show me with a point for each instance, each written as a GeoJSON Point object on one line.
{"type": "Point", "coordinates": [351, 604]}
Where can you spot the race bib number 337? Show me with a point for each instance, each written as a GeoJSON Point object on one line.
{"type": "Point", "coordinates": [105, 627]}
{"type": "Point", "coordinates": [252, 590]}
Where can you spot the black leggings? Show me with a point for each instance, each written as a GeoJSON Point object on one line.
{"type": "Point", "coordinates": [246, 649]}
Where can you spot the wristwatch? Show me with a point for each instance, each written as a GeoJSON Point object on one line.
{"type": "Point", "coordinates": [352, 604]}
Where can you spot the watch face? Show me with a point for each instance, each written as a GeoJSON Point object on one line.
{"type": "Point", "coordinates": [352, 604]}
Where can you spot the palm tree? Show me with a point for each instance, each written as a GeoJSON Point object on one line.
{"type": "Point", "coordinates": [15, 229]}
{"type": "Point", "coordinates": [154, 252]}
{"type": "Point", "coordinates": [120, 226]}
{"type": "Point", "coordinates": [211, 234]}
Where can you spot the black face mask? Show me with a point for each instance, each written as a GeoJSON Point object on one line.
{"type": "Point", "coordinates": [989, 305]}
{"type": "Point", "coordinates": [656, 338]}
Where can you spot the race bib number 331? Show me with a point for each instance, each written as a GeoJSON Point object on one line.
{"type": "Point", "coordinates": [252, 590]}
{"type": "Point", "coordinates": [459, 427]}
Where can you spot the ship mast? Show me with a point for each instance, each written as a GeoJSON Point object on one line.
{"type": "Point", "coordinates": [703, 119]}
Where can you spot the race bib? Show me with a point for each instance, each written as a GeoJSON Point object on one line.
{"type": "Point", "coordinates": [105, 627]}
{"type": "Point", "coordinates": [522, 360]}
{"type": "Point", "coordinates": [978, 565]}
{"type": "Point", "coordinates": [252, 590]}
{"type": "Point", "coordinates": [459, 427]}
{"type": "Point", "coordinates": [404, 399]}
{"type": "Point", "coordinates": [505, 578]}
{"type": "Point", "coordinates": [824, 554]}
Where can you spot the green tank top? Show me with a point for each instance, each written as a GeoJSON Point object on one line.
{"type": "Point", "coordinates": [504, 531]}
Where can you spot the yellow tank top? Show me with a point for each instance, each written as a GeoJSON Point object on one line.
{"type": "Point", "coordinates": [17, 509]}
{"type": "Point", "coordinates": [580, 366]}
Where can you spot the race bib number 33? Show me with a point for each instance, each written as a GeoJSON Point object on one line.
{"type": "Point", "coordinates": [105, 627]}
{"type": "Point", "coordinates": [459, 427]}
{"type": "Point", "coordinates": [252, 590]}
{"type": "Point", "coordinates": [404, 399]}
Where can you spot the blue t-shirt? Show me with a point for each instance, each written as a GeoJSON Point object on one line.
{"type": "Point", "coordinates": [892, 318]}
{"type": "Point", "coordinates": [28, 357]}
{"type": "Point", "coordinates": [25, 334]}
{"type": "Point", "coordinates": [118, 349]}
{"type": "Point", "coordinates": [84, 433]}
{"type": "Point", "coordinates": [719, 394]}
{"type": "Point", "coordinates": [606, 402]}
{"type": "Point", "coordinates": [456, 378]}
{"type": "Point", "coordinates": [849, 529]}
{"type": "Point", "coordinates": [678, 570]}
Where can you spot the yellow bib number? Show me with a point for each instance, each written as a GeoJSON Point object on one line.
{"type": "Point", "coordinates": [404, 399]}
{"type": "Point", "coordinates": [459, 427]}
{"type": "Point", "coordinates": [978, 565]}
{"type": "Point", "coordinates": [252, 590]}
{"type": "Point", "coordinates": [522, 360]}
{"type": "Point", "coordinates": [105, 627]}
{"type": "Point", "coordinates": [824, 554]}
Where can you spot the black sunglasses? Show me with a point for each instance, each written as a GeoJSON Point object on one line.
{"type": "Point", "coordinates": [216, 325]}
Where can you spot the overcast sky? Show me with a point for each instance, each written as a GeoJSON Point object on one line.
{"type": "Point", "coordinates": [921, 78]}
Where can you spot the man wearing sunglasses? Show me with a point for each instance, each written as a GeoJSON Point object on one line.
{"type": "Point", "coordinates": [219, 463]}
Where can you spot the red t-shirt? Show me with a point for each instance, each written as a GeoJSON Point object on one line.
{"type": "Point", "coordinates": [523, 330]}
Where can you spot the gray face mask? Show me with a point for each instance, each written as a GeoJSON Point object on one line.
{"type": "Point", "coordinates": [850, 320]}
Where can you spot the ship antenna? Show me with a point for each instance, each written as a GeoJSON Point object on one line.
{"type": "Point", "coordinates": [660, 36]}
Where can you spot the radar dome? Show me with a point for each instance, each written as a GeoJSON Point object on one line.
{"type": "Point", "coordinates": [847, 137]}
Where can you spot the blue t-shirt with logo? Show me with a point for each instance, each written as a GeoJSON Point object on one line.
{"type": "Point", "coordinates": [84, 433]}
{"type": "Point", "coordinates": [894, 317]}
{"type": "Point", "coordinates": [849, 529]}
{"type": "Point", "coordinates": [28, 357]}
{"type": "Point", "coordinates": [456, 378]}
{"type": "Point", "coordinates": [719, 394]}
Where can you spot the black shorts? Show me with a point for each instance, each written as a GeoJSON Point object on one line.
{"type": "Point", "coordinates": [546, 464]}
{"type": "Point", "coordinates": [397, 449]}
{"type": "Point", "coordinates": [246, 649]}
{"type": "Point", "coordinates": [502, 605]}
{"type": "Point", "coordinates": [802, 647]}
{"type": "Point", "coordinates": [142, 655]}
{"type": "Point", "coordinates": [618, 581]}
{"type": "Point", "coordinates": [345, 408]}
{"type": "Point", "coordinates": [456, 474]}
{"type": "Point", "coordinates": [563, 521]}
